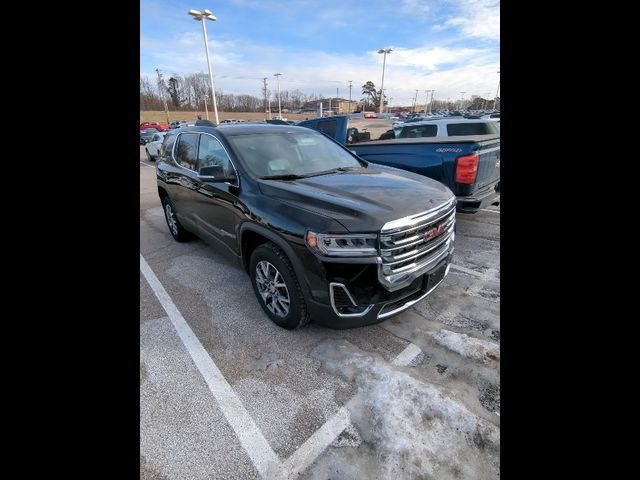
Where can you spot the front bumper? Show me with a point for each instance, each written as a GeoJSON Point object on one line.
{"type": "Point", "coordinates": [372, 303]}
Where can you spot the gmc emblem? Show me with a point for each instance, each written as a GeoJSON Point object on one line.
{"type": "Point", "coordinates": [434, 232]}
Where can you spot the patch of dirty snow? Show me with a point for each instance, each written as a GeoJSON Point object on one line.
{"type": "Point", "coordinates": [409, 429]}
{"type": "Point", "coordinates": [467, 346]}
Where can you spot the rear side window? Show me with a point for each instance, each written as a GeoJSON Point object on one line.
{"type": "Point", "coordinates": [186, 148]}
{"type": "Point", "coordinates": [328, 127]}
{"type": "Point", "coordinates": [480, 128]}
{"type": "Point", "coordinates": [167, 145]}
{"type": "Point", "coordinates": [419, 131]}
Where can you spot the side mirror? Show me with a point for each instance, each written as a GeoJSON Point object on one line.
{"type": "Point", "coordinates": [212, 172]}
{"type": "Point", "coordinates": [215, 173]}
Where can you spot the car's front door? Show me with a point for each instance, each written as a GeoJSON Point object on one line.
{"type": "Point", "coordinates": [217, 206]}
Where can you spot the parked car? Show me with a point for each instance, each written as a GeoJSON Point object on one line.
{"type": "Point", "coordinates": [462, 154]}
{"type": "Point", "coordinates": [146, 135]}
{"type": "Point", "coordinates": [370, 115]}
{"type": "Point", "coordinates": [178, 124]}
{"type": "Point", "coordinates": [153, 146]}
{"type": "Point", "coordinates": [161, 127]}
{"type": "Point", "coordinates": [323, 234]}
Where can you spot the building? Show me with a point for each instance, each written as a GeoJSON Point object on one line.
{"type": "Point", "coordinates": [332, 106]}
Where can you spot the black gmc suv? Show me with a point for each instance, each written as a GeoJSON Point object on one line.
{"type": "Point", "coordinates": [324, 235]}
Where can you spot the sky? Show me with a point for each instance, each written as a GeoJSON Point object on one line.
{"type": "Point", "coordinates": [450, 46]}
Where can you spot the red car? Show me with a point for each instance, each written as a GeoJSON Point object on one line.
{"type": "Point", "coordinates": [161, 127]}
{"type": "Point", "coordinates": [370, 115]}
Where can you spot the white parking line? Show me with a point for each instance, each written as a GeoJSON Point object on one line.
{"type": "Point", "coordinates": [260, 452]}
{"type": "Point", "coordinates": [317, 443]}
{"type": "Point", "coordinates": [405, 357]}
{"type": "Point", "coordinates": [487, 210]}
{"type": "Point", "coordinates": [146, 164]}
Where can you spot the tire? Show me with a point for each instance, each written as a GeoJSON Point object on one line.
{"type": "Point", "coordinates": [270, 256]}
{"type": "Point", "coordinates": [177, 231]}
{"type": "Point", "coordinates": [149, 157]}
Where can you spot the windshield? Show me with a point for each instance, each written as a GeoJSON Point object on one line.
{"type": "Point", "coordinates": [297, 154]}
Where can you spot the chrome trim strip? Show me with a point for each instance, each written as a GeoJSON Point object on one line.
{"type": "Point", "coordinates": [397, 225]}
{"type": "Point", "coordinates": [410, 303]}
{"type": "Point", "coordinates": [332, 285]}
{"type": "Point", "coordinates": [451, 213]}
{"type": "Point", "coordinates": [415, 271]}
{"type": "Point", "coordinates": [418, 253]}
{"type": "Point", "coordinates": [420, 240]}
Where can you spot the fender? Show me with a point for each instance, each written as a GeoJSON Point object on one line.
{"type": "Point", "coordinates": [280, 242]}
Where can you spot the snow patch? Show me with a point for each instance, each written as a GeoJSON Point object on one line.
{"type": "Point", "coordinates": [467, 346]}
{"type": "Point", "coordinates": [415, 429]}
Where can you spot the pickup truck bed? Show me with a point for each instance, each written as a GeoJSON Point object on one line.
{"type": "Point", "coordinates": [436, 158]}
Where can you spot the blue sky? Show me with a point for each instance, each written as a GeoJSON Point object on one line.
{"type": "Point", "coordinates": [450, 46]}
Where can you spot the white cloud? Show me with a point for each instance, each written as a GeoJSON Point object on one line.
{"type": "Point", "coordinates": [417, 8]}
{"type": "Point", "coordinates": [478, 18]}
{"type": "Point", "coordinates": [428, 58]}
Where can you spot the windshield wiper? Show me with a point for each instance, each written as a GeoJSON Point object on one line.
{"type": "Point", "coordinates": [333, 170]}
{"type": "Point", "coordinates": [288, 176]}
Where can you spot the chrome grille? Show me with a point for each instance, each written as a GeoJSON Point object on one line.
{"type": "Point", "coordinates": [404, 246]}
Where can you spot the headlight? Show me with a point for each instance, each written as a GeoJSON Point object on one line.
{"type": "Point", "coordinates": [338, 245]}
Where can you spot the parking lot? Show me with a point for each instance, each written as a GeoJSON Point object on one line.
{"type": "Point", "coordinates": [226, 394]}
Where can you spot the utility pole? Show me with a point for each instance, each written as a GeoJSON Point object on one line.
{"type": "Point", "coordinates": [264, 91]}
{"type": "Point", "coordinates": [431, 102]}
{"type": "Point", "coordinates": [337, 103]}
{"type": "Point", "coordinates": [205, 105]}
{"type": "Point", "coordinates": [415, 99]}
{"type": "Point", "coordinates": [426, 101]}
{"type": "Point", "coordinates": [350, 82]}
{"type": "Point", "coordinates": [462, 100]}
{"type": "Point", "coordinates": [277, 75]}
{"type": "Point", "coordinates": [161, 89]}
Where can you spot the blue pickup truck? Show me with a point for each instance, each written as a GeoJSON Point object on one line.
{"type": "Point", "coordinates": [469, 165]}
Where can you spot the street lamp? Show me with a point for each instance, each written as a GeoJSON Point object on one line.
{"type": "Point", "coordinates": [462, 100]}
{"type": "Point", "coordinates": [202, 17]}
{"type": "Point", "coordinates": [426, 101]}
{"type": "Point", "coordinates": [277, 75]}
{"type": "Point", "coordinates": [495, 100]}
{"type": "Point", "coordinates": [431, 102]}
{"type": "Point", "coordinates": [206, 97]}
{"type": "Point", "coordinates": [384, 62]}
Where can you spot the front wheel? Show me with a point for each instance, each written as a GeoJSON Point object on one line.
{"type": "Point", "coordinates": [149, 157]}
{"type": "Point", "coordinates": [276, 287]}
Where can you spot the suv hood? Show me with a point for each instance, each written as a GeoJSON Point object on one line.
{"type": "Point", "coordinates": [361, 200]}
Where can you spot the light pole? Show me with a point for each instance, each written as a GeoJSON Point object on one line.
{"type": "Point", "coordinates": [415, 99]}
{"type": "Point", "coordinates": [203, 16]}
{"type": "Point", "coordinates": [205, 105]}
{"type": "Point", "coordinates": [350, 82]}
{"type": "Point", "coordinates": [277, 75]}
{"type": "Point", "coordinates": [462, 100]}
{"type": "Point", "coordinates": [384, 62]}
{"type": "Point", "coordinates": [426, 101]}
{"type": "Point", "coordinates": [431, 102]}
{"type": "Point", "coordinates": [495, 100]}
